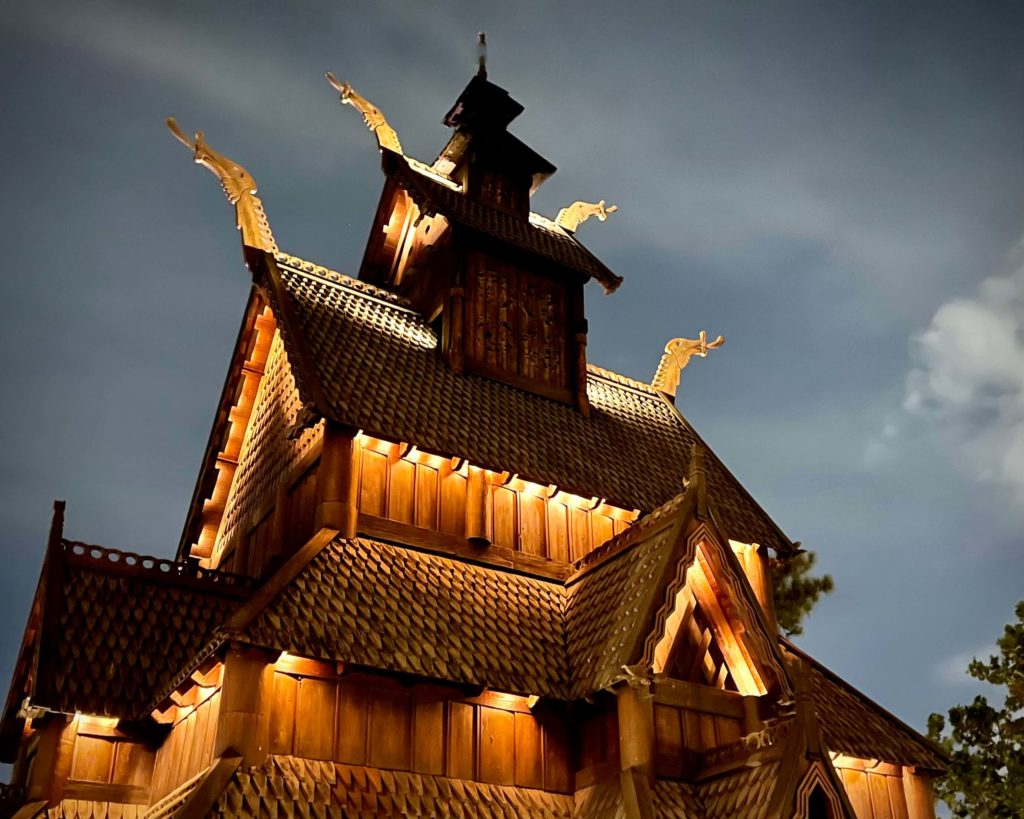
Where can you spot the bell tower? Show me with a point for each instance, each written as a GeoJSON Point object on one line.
{"type": "Point", "coordinates": [502, 286]}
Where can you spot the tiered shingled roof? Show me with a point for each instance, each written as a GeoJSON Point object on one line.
{"type": "Point", "coordinates": [537, 236]}
{"type": "Point", "coordinates": [108, 611]}
{"type": "Point", "coordinates": [374, 365]}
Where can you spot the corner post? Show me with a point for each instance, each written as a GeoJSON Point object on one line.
{"type": "Point", "coordinates": [917, 789]}
{"type": "Point", "coordinates": [476, 507]}
{"type": "Point", "coordinates": [636, 729]}
{"type": "Point", "coordinates": [337, 481]}
{"type": "Point", "coordinates": [245, 700]}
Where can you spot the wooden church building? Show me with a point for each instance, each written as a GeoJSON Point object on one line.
{"type": "Point", "coordinates": [438, 564]}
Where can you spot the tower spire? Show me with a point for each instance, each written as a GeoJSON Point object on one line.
{"type": "Point", "coordinates": [481, 55]}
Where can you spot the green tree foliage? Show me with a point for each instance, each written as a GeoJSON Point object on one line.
{"type": "Point", "coordinates": [986, 744]}
{"type": "Point", "coordinates": [796, 590]}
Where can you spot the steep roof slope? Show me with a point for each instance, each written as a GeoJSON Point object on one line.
{"type": "Point", "coordinates": [371, 363]}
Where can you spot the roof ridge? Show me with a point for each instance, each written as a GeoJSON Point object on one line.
{"type": "Point", "coordinates": [882, 711]}
{"type": "Point", "coordinates": [624, 380]}
{"type": "Point", "coordinates": [88, 555]}
{"type": "Point", "coordinates": [624, 540]}
{"type": "Point", "coordinates": [358, 286]}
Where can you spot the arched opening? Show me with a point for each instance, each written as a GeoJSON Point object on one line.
{"type": "Point", "coordinates": [817, 805]}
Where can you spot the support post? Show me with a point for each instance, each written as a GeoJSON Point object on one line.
{"type": "Point", "coordinates": [44, 770]}
{"type": "Point", "coordinates": [245, 700]}
{"type": "Point", "coordinates": [636, 730]}
{"type": "Point", "coordinates": [337, 481]}
{"type": "Point", "coordinates": [476, 507]}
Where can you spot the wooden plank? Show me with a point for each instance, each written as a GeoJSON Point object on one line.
{"type": "Point", "coordinates": [601, 528]}
{"type": "Point", "coordinates": [880, 806]}
{"type": "Point", "coordinates": [93, 759]}
{"type": "Point", "coordinates": [529, 752]}
{"type": "Point", "coordinates": [579, 532]}
{"type": "Point", "coordinates": [461, 752]}
{"type": "Point", "coordinates": [699, 698]}
{"type": "Point", "coordinates": [106, 792]}
{"type": "Point", "coordinates": [728, 730]}
{"type": "Point", "coordinates": [497, 746]}
{"type": "Point", "coordinates": [353, 718]}
{"type": "Point", "coordinates": [896, 797]}
{"type": "Point", "coordinates": [315, 718]}
{"type": "Point", "coordinates": [707, 731]}
{"type": "Point", "coordinates": [504, 523]}
{"type": "Point", "coordinates": [453, 503]}
{"type": "Point", "coordinates": [857, 789]}
{"type": "Point", "coordinates": [373, 483]}
{"type": "Point", "coordinates": [668, 730]}
{"type": "Point", "coordinates": [532, 524]}
{"type": "Point", "coordinates": [428, 736]}
{"type": "Point", "coordinates": [557, 773]}
{"type": "Point", "coordinates": [401, 479]}
{"type": "Point", "coordinates": [133, 764]}
{"type": "Point", "coordinates": [304, 667]}
{"type": "Point", "coordinates": [390, 729]}
{"type": "Point", "coordinates": [427, 487]}
{"type": "Point", "coordinates": [558, 532]}
{"type": "Point", "coordinates": [195, 754]}
{"type": "Point", "coordinates": [282, 714]}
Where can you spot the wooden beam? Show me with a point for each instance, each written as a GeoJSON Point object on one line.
{"type": "Point", "coordinates": [337, 481]}
{"type": "Point", "coordinates": [636, 730]}
{"type": "Point", "coordinates": [243, 727]}
{"type": "Point", "coordinates": [695, 697]}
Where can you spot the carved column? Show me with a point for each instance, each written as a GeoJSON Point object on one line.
{"type": "Point", "coordinates": [337, 481]}
{"type": "Point", "coordinates": [245, 700]}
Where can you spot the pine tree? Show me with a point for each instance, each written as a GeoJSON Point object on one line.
{"type": "Point", "coordinates": [986, 744]}
{"type": "Point", "coordinates": [796, 591]}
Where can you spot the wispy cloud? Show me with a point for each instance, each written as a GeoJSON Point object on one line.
{"type": "Point", "coordinates": [968, 379]}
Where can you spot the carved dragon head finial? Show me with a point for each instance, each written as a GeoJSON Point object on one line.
{"type": "Point", "coordinates": [678, 353]}
{"type": "Point", "coordinates": [239, 188]}
{"type": "Point", "coordinates": [372, 116]}
{"type": "Point", "coordinates": [578, 212]}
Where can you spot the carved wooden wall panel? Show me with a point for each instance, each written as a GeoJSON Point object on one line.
{"type": "Point", "coordinates": [516, 323]}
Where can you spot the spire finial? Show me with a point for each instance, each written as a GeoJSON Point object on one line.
{"type": "Point", "coordinates": [481, 55]}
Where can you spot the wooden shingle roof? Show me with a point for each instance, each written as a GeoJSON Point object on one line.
{"type": "Point", "coordinates": [373, 364]}
{"type": "Point", "coordinates": [854, 725]}
{"type": "Point", "coordinates": [537, 236]}
{"type": "Point", "coordinates": [305, 788]}
{"type": "Point", "coordinates": [119, 626]}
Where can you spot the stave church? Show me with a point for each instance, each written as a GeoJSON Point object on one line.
{"type": "Point", "coordinates": [439, 564]}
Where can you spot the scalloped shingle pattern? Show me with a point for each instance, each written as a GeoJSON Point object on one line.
{"type": "Point", "coordinates": [120, 639]}
{"type": "Point", "coordinates": [388, 607]}
{"type": "Point", "coordinates": [304, 789]}
{"type": "Point", "coordinates": [379, 370]}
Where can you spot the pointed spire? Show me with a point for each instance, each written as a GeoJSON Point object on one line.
{"type": "Point", "coordinates": [481, 55]}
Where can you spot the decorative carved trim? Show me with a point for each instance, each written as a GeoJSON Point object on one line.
{"type": "Point", "coordinates": [677, 355]}
{"type": "Point", "coordinates": [771, 737]}
{"type": "Point", "coordinates": [302, 266]}
{"type": "Point", "coordinates": [578, 212]}
{"type": "Point", "coordinates": [816, 778]}
{"type": "Point", "coordinates": [239, 187]}
{"type": "Point", "coordinates": [372, 116]}
{"type": "Point", "coordinates": [154, 568]}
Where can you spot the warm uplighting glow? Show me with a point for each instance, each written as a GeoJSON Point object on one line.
{"type": "Point", "coordinates": [98, 722]}
{"type": "Point", "coordinates": [700, 590]}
